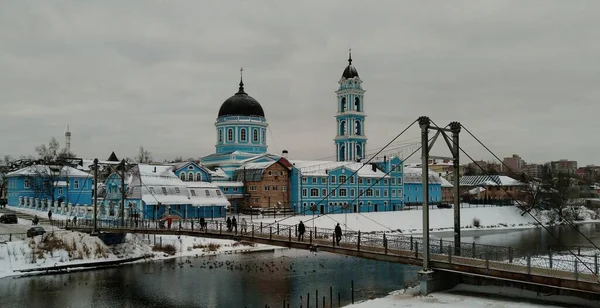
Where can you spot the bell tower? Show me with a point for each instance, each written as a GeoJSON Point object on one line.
{"type": "Point", "coordinates": [350, 140]}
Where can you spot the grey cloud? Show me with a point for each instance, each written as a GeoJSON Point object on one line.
{"type": "Point", "coordinates": [522, 76]}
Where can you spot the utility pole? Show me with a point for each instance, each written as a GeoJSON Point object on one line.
{"type": "Point", "coordinates": [424, 124]}
{"type": "Point", "coordinates": [95, 231]}
{"type": "Point", "coordinates": [123, 193]}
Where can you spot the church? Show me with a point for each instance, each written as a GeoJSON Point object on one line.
{"type": "Point", "coordinates": [269, 181]}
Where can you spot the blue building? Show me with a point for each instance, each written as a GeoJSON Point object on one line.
{"type": "Point", "coordinates": [43, 186]}
{"type": "Point", "coordinates": [343, 187]}
{"type": "Point", "coordinates": [413, 187]}
{"type": "Point", "coordinates": [155, 191]}
{"type": "Point", "coordinates": [350, 140]}
{"type": "Point", "coordinates": [192, 172]}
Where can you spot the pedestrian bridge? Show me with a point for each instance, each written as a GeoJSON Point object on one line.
{"type": "Point", "coordinates": [547, 272]}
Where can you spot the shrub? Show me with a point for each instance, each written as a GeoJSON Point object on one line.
{"type": "Point", "coordinates": [166, 248]}
{"type": "Point", "coordinates": [476, 222]}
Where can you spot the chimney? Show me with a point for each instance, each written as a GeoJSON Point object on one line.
{"type": "Point", "coordinates": [374, 167]}
{"type": "Point", "coordinates": [284, 154]}
{"type": "Point", "coordinates": [154, 169]}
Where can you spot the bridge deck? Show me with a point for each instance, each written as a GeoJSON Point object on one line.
{"type": "Point", "coordinates": [489, 261]}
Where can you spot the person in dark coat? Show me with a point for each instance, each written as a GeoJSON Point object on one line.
{"type": "Point", "coordinates": [202, 223]}
{"type": "Point", "coordinates": [338, 234]}
{"type": "Point", "coordinates": [234, 224]}
{"type": "Point", "coordinates": [301, 230]}
{"type": "Point", "coordinates": [229, 224]}
{"type": "Point", "coordinates": [50, 214]}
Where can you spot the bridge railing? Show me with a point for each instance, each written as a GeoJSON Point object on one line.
{"type": "Point", "coordinates": [10, 237]}
{"type": "Point", "coordinates": [549, 263]}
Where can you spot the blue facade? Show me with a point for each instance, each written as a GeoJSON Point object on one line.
{"type": "Point", "coordinates": [341, 190]}
{"type": "Point", "coordinates": [350, 140]}
{"type": "Point", "coordinates": [241, 133]}
{"type": "Point", "coordinates": [68, 185]}
{"type": "Point", "coordinates": [192, 172]}
{"type": "Point", "coordinates": [414, 193]}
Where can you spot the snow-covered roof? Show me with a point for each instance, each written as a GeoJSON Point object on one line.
{"type": "Point", "coordinates": [263, 165]}
{"type": "Point", "coordinates": [320, 168]}
{"type": "Point", "coordinates": [206, 194]}
{"type": "Point", "coordinates": [228, 183]}
{"type": "Point", "coordinates": [44, 170]}
{"type": "Point", "coordinates": [445, 183]}
{"type": "Point", "coordinates": [488, 180]}
{"type": "Point", "coordinates": [414, 176]}
{"type": "Point", "coordinates": [476, 190]}
{"type": "Point", "coordinates": [218, 173]}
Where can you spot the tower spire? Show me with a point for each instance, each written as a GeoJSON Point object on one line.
{"type": "Point", "coordinates": [241, 80]}
{"type": "Point", "coordinates": [349, 56]}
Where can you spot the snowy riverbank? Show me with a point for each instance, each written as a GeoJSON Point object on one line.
{"type": "Point", "coordinates": [473, 296]}
{"type": "Point", "coordinates": [70, 248]}
{"type": "Point", "coordinates": [440, 220]}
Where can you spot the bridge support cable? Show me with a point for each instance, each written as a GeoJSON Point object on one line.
{"type": "Point", "coordinates": [507, 167]}
{"type": "Point", "coordinates": [324, 199]}
{"type": "Point", "coordinates": [359, 195]}
{"type": "Point", "coordinates": [532, 216]}
{"type": "Point", "coordinates": [365, 189]}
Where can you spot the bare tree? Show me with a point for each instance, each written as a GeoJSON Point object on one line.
{"type": "Point", "coordinates": [4, 169]}
{"type": "Point", "coordinates": [52, 151]}
{"type": "Point", "coordinates": [45, 178]}
{"type": "Point", "coordinates": [554, 191]}
{"type": "Point", "coordinates": [144, 156]}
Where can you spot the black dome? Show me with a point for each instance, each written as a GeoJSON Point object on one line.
{"type": "Point", "coordinates": [241, 104]}
{"type": "Point", "coordinates": [350, 71]}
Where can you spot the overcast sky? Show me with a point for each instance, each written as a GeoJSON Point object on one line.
{"type": "Point", "coordinates": [523, 76]}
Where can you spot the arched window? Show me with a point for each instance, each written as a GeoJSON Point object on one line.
{"type": "Point", "coordinates": [220, 135]}
{"type": "Point", "coordinates": [198, 177]}
{"type": "Point", "coordinates": [342, 153]}
{"type": "Point", "coordinates": [342, 128]}
{"type": "Point", "coordinates": [230, 134]}
{"type": "Point", "coordinates": [359, 151]}
{"type": "Point", "coordinates": [255, 135]}
{"type": "Point", "coordinates": [190, 177]}
{"type": "Point", "coordinates": [182, 176]}
{"type": "Point", "coordinates": [264, 138]}
{"type": "Point", "coordinates": [243, 135]}
{"type": "Point", "coordinates": [343, 105]}
{"type": "Point", "coordinates": [357, 104]}
{"type": "Point", "coordinates": [358, 128]}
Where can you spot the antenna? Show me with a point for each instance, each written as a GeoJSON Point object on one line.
{"type": "Point", "coordinates": [68, 140]}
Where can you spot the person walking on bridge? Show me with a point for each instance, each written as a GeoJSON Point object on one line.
{"type": "Point", "coordinates": [338, 234]}
{"type": "Point", "coordinates": [234, 224]}
{"type": "Point", "coordinates": [202, 223]}
{"type": "Point", "coordinates": [228, 224]}
{"type": "Point", "coordinates": [244, 225]}
{"type": "Point", "coordinates": [301, 230]}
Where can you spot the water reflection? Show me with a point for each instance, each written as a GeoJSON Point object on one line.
{"type": "Point", "coordinates": [535, 239]}
{"type": "Point", "coordinates": [252, 280]}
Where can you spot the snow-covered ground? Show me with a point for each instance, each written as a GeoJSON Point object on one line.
{"type": "Point", "coordinates": [411, 222]}
{"type": "Point", "coordinates": [470, 296]}
{"type": "Point", "coordinates": [70, 248]}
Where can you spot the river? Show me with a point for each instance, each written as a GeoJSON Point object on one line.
{"type": "Point", "coordinates": [247, 280]}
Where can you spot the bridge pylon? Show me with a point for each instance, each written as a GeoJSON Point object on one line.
{"type": "Point", "coordinates": [426, 145]}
